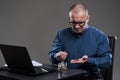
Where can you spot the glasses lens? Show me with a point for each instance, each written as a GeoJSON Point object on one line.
{"type": "Point", "coordinates": [81, 23]}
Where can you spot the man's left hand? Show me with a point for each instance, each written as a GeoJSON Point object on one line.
{"type": "Point", "coordinates": [80, 61]}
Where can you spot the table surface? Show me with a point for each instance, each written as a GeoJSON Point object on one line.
{"type": "Point", "coordinates": [71, 73]}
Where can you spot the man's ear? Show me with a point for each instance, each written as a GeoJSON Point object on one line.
{"type": "Point", "coordinates": [69, 19]}
{"type": "Point", "coordinates": [88, 18]}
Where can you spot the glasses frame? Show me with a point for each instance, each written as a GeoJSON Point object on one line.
{"type": "Point", "coordinates": [81, 23]}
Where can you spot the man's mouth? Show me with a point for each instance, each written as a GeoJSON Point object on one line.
{"type": "Point", "coordinates": [78, 29]}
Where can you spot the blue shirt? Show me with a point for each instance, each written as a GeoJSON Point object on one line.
{"type": "Point", "coordinates": [91, 42]}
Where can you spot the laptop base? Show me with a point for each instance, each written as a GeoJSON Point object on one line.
{"type": "Point", "coordinates": [38, 71]}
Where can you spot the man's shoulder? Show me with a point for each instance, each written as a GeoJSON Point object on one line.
{"type": "Point", "coordinates": [95, 30]}
{"type": "Point", "coordinates": [97, 33]}
{"type": "Point", "coordinates": [65, 30]}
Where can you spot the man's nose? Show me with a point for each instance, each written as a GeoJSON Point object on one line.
{"type": "Point", "coordinates": [77, 26]}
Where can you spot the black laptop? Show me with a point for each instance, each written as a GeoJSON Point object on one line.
{"type": "Point", "coordinates": [19, 61]}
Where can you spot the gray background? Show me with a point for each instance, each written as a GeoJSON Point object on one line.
{"type": "Point", "coordinates": [34, 23]}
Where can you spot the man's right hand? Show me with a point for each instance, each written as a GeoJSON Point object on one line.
{"type": "Point", "coordinates": [61, 56]}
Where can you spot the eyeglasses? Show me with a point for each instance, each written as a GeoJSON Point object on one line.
{"type": "Point", "coordinates": [82, 23]}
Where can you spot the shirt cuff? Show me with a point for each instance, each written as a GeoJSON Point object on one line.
{"type": "Point", "coordinates": [92, 60]}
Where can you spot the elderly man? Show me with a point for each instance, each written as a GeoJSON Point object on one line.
{"type": "Point", "coordinates": [80, 45]}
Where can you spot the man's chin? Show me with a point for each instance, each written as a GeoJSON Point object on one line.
{"type": "Point", "coordinates": [78, 31]}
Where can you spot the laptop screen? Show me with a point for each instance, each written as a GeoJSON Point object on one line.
{"type": "Point", "coordinates": [17, 58]}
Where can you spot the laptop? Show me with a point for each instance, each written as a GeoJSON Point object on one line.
{"type": "Point", "coordinates": [18, 61]}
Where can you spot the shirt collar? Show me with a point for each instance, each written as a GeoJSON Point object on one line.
{"type": "Point", "coordinates": [84, 32]}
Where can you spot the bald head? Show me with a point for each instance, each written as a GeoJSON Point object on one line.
{"type": "Point", "coordinates": [78, 8]}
